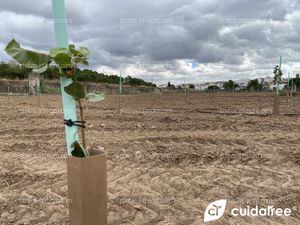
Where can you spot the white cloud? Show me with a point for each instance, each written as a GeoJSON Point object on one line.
{"type": "Point", "coordinates": [259, 32]}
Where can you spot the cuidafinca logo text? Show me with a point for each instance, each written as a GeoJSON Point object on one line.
{"type": "Point", "coordinates": [215, 211]}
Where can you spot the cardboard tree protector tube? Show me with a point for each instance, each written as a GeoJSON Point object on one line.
{"type": "Point", "coordinates": [87, 190]}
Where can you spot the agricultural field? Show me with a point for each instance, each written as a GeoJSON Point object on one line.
{"type": "Point", "coordinates": [169, 156]}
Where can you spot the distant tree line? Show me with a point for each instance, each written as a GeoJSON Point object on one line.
{"type": "Point", "coordinates": [230, 85]}
{"type": "Point", "coordinates": [14, 71]}
{"type": "Point", "coordinates": [213, 88]}
{"type": "Point", "coordinates": [171, 86]}
{"type": "Point", "coordinates": [295, 82]}
{"type": "Point", "coordinates": [254, 85]}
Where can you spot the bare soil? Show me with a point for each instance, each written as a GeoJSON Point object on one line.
{"type": "Point", "coordinates": [168, 157]}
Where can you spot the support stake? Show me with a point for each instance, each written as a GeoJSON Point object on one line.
{"type": "Point", "coordinates": [62, 41]}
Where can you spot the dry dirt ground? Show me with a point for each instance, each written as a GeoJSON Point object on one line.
{"type": "Point", "coordinates": [167, 158]}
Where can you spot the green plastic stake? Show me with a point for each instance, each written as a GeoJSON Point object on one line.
{"type": "Point", "coordinates": [292, 87]}
{"type": "Point", "coordinates": [121, 81]}
{"type": "Point", "coordinates": [62, 41]}
{"type": "Point", "coordinates": [120, 84]}
{"type": "Point", "coordinates": [288, 86]}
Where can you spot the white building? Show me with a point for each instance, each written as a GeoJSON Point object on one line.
{"type": "Point", "coordinates": [274, 87]}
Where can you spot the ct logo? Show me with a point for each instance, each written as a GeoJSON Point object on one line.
{"type": "Point", "coordinates": [215, 210]}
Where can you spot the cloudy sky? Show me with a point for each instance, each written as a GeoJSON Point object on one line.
{"type": "Point", "coordinates": [162, 40]}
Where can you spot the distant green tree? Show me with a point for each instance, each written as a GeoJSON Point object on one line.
{"type": "Point", "coordinates": [254, 85]}
{"type": "Point", "coordinates": [12, 70]}
{"type": "Point", "coordinates": [137, 82]}
{"type": "Point", "coordinates": [171, 86]}
{"type": "Point", "coordinates": [230, 85]}
{"type": "Point", "coordinates": [192, 86]}
{"type": "Point", "coordinates": [277, 74]}
{"type": "Point", "coordinates": [294, 82]}
{"type": "Point", "coordinates": [213, 88]}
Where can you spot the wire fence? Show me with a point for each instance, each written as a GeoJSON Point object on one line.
{"type": "Point", "coordinates": [46, 87]}
{"type": "Point", "coordinates": [175, 100]}
{"type": "Point", "coordinates": [22, 88]}
{"type": "Point", "coordinates": [252, 104]}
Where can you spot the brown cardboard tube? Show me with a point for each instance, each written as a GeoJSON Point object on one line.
{"type": "Point", "coordinates": [87, 190]}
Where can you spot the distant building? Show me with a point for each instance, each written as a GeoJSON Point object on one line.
{"type": "Point", "coordinates": [201, 87]}
{"type": "Point", "coordinates": [242, 86]}
{"type": "Point", "coordinates": [162, 85]}
{"type": "Point", "coordinates": [273, 87]}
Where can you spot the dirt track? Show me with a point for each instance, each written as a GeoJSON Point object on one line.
{"type": "Point", "coordinates": [166, 160]}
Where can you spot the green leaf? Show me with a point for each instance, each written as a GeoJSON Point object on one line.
{"type": "Point", "coordinates": [63, 60]}
{"type": "Point", "coordinates": [26, 57]}
{"type": "Point", "coordinates": [55, 51]}
{"type": "Point", "coordinates": [41, 70]}
{"type": "Point", "coordinates": [76, 90]}
{"type": "Point", "coordinates": [79, 151]}
{"type": "Point", "coordinates": [73, 50]}
{"type": "Point", "coordinates": [82, 61]}
{"type": "Point", "coordinates": [92, 97]}
{"type": "Point", "coordinates": [84, 52]}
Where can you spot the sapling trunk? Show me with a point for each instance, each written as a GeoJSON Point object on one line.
{"type": "Point", "coordinates": [82, 128]}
